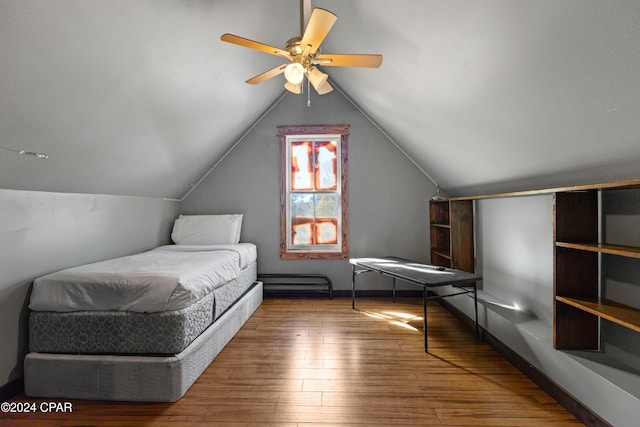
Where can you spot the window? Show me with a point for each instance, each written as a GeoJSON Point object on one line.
{"type": "Point", "coordinates": [313, 191]}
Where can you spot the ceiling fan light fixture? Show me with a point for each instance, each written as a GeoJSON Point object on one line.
{"type": "Point", "coordinates": [325, 88]}
{"type": "Point", "coordinates": [317, 78]}
{"type": "Point", "coordinates": [294, 73]}
{"type": "Point", "coordinates": [293, 88]}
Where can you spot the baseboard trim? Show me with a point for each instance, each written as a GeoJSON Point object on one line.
{"type": "Point", "coordinates": [12, 388]}
{"type": "Point", "coordinates": [571, 404]}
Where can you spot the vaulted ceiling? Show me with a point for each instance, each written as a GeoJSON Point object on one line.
{"type": "Point", "coordinates": [141, 97]}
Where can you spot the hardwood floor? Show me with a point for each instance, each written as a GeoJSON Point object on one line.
{"type": "Point", "coordinates": [317, 362]}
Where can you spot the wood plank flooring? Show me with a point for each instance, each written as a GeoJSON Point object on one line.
{"type": "Point", "coordinates": [318, 363]}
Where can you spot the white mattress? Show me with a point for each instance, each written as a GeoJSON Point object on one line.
{"type": "Point", "coordinates": [166, 278]}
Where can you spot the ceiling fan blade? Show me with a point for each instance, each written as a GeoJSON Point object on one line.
{"type": "Point", "coordinates": [267, 75]}
{"type": "Point", "coordinates": [348, 60]}
{"type": "Point", "coordinates": [241, 41]}
{"type": "Point", "coordinates": [317, 29]}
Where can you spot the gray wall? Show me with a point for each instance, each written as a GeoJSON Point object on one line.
{"type": "Point", "coordinates": [44, 232]}
{"type": "Point", "coordinates": [514, 254]}
{"type": "Point", "coordinates": [388, 209]}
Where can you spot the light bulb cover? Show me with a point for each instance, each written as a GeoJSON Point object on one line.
{"type": "Point", "coordinates": [293, 88]}
{"type": "Point", "coordinates": [294, 73]}
{"type": "Point", "coordinates": [325, 88]}
{"type": "Point", "coordinates": [317, 77]}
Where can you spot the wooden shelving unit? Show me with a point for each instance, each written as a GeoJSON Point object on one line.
{"type": "Point", "coordinates": [577, 303]}
{"type": "Point", "coordinates": [451, 230]}
{"type": "Point", "coordinates": [578, 307]}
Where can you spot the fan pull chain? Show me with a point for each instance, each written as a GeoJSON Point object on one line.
{"type": "Point", "coordinates": [308, 94]}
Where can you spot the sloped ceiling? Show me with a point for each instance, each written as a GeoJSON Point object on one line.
{"type": "Point", "coordinates": [142, 98]}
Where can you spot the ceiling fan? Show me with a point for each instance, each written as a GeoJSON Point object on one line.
{"type": "Point", "coordinates": [303, 53]}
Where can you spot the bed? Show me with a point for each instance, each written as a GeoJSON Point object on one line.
{"type": "Point", "coordinates": [142, 327]}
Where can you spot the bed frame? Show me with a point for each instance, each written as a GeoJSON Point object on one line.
{"type": "Point", "coordinates": [136, 378]}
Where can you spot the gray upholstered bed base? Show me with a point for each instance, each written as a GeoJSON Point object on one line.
{"type": "Point", "coordinates": [120, 332]}
{"type": "Point", "coordinates": [136, 378]}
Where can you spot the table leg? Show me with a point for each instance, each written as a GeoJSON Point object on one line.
{"type": "Point", "coordinates": [424, 321]}
{"type": "Point", "coordinates": [394, 289]}
{"type": "Point", "coordinates": [475, 303]}
{"type": "Point", "coordinates": [353, 287]}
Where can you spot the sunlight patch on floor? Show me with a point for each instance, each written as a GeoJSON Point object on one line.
{"type": "Point", "coordinates": [396, 318]}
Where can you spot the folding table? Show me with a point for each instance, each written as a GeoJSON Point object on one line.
{"type": "Point", "coordinates": [424, 275]}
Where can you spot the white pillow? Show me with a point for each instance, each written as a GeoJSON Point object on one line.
{"type": "Point", "coordinates": [207, 229]}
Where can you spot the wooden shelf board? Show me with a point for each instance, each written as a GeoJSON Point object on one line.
{"type": "Point", "coordinates": [440, 253]}
{"type": "Point", "coordinates": [627, 251]}
{"type": "Point", "coordinates": [615, 312]}
{"type": "Point", "coordinates": [441, 225]}
{"type": "Point", "coordinates": [627, 183]}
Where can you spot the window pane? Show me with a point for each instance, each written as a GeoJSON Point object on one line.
{"type": "Point", "coordinates": [301, 232]}
{"type": "Point", "coordinates": [327, 210]}
{"type": "Point", "coordinates": [327, 205]}
{"type": "Point", "coordinates": [301, 165]}
{"type": "Point", "coordinates": [327, 166]}
{"type": "Point", "coordinates": [302, 218]}
{"type": "Point", "coordinates": [326, 231]}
